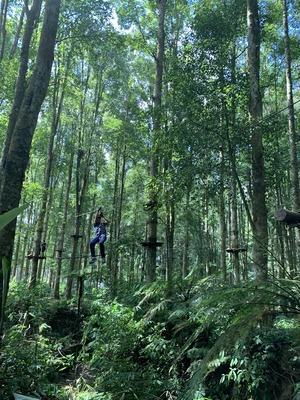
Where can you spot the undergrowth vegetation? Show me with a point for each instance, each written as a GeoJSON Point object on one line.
{"type": "Point", "coordinates": [206, 341]}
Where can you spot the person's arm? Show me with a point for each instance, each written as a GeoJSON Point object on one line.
{"type": "Point", "coordinates": [97, 219]}
{"type": "Point", "coordinates": [105, 219]}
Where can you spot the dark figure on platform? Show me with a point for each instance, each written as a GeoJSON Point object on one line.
{"type": "Point", "coordinates": [43, 249]}
{"type": "Point", "coordinates": [100, 224]}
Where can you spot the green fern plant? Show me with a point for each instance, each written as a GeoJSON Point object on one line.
{"type": "Point", "coordinates": [230, 314]}
{"type": "Point", "coordinates": [210, 322]}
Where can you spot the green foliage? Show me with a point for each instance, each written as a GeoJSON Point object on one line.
{"type": "Point", "coordinates": [260, 360]}
{"type": "Point", "coordinates": [130, 358]}
{"type": "Point", "coordinates": [39, 342]}
{"type": "Point", "coordinates": [9, 216]}
{"type": "Point", "coordinates": [245, 352]}
{"type": "Point", "coordinates": [206, 341]}
{"type": "Point", "coordinates": [29, 360]}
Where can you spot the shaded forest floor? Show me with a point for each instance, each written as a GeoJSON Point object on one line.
{"type": "Point", "coordinates": [209, 339]}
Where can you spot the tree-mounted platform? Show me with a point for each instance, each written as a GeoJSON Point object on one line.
{"type": "Point", "coordinates": [31, 256]}
{"type": "Point", "coordinates": [236, 251]}
{"type": "Point", "coordinates": [288, 217]}
{"type": "Point", "coordinates": [76, 236]}
{"type": "Point", "coordinates": [152, 244]}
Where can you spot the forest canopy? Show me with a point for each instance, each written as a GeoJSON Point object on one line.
{"type": "Point", "coordinates": [173, 128]}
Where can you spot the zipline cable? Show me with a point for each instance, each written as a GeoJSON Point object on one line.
{"type": "Point", "coordinates": [87, 213]}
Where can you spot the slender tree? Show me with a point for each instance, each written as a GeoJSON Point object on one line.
{"type": "Point", "coordinates": [291, 124]}
{"type": "Point", "coordinates": [57, 103]}
{"type": "Point", "coordinates": [3, 17]}
{"type": "Point", "coordinates": [223, 267]}
{"type": "Point", "coordinates": [33, 15]}
{"type": "Point", "coordinates": [12, 171]}
{"type": "Point", "coordinates": [259, 210]}
{"type": "Point", "coordinates": [151, 238]}
{"type": "Point", "coordinates": [291, 110]}
{"type": "Point", "coordinates": [62, 232]}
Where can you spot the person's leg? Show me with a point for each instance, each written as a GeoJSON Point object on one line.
{"type": "Point", "coordinates": [92, 246]}
{"type": "Point", "coordinates": [102, 249]}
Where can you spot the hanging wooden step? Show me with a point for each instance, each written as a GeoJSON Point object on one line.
{"type": "Point", "coordinates": [152, 244]}
{"type": "Point", "coordinates": [31, 256]}
{"type": "Point", "coordinates": [236, 251]}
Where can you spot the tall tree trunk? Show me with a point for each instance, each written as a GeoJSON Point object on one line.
{"type": "Point", "coordinates": [32, 18]}
{"type": "Point", "coordinates": [112, 259]}
{"type": "Point", "coordinates": [170, 228]}
{"type": "Point", "coordinates": [207, 236]}
{"type": "Point", "coordinates": [291, 111]}
{"type": "Point", "coordinates": [82, 171]}
{"type": "Point", "coordinates": [170, 209]}
{"type": "Point", "coordinates": [12, 171]}
{"type": "Point", "coordinates": [46, 237]}
{"type": "Point", "coordinates": [63, 227]}
{"type": "Point", "coordinates": [185, 261]}
{"type": "Point", "coordinates": [292, 129]}
{"type": "Point", "coordinates": [85, 135]}
{"type": "Point", "coordinates": [223, 268]}
{"type": "Point", "coordinates": [118, 202]}
{"type": "Point", "coordinates": [151, 238]}
{"type": "Point", "coordinates": [121, 191]}
{"type": "Point", "coordinates": [170, 213]}
{"type": "Point", "coordinates": [27, 242]}
{"type": "Point", "coordinates": [259, 210]}
{"type": "Point", "coordinates": [17, 255]}
{"type": "Point", "coordinates": [57, 108]}
{"type": "Point", "coordinates": [3, 16]}
{"type": "Point", "coordinates": [234, 237]}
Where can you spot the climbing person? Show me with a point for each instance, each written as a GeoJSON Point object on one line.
{"type": "Point", "coordinates": [100, 224]}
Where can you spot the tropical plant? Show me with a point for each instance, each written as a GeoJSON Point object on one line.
{"type": "Point", "coordinates": [129, 358]}
{"type": "Point", "coordinates": [239, 332]}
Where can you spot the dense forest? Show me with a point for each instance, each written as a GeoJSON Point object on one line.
{"type": "Point", "coordinates": [177, 123]}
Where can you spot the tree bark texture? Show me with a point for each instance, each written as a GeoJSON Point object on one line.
{"type": "Point", "coordinates": [223, 268]}
{"type": "Point", "coordinates": [170, 228]}
{"type": "Point", "coordinates": [13, 170]}
{"type": "Point", "coordinates": [152, 217]}
{"type": "Point", "coordinates": [259, 211]}
{"type": "Point", "coordinates": [33, 16]}
{"type": "Point", "coordinates": [291, 123]}
{"type": "Point", "coordinates": [57, 108]}
{"type": "Point", "coordinates": [3, 15]}
{"type": "Point", "coordinates": [63, 227]}
{"type": "Point", "coordinates": [291, 110]}
{"type": "Point", "coordinates": [185, 259]}
{"type": "Point", "coordinates": [82, 173]}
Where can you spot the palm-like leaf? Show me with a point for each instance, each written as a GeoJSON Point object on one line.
{"type": "Point", "coordinates": [9, 216]}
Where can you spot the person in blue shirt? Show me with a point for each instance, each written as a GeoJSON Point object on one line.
{"type": "Point", "coordinates": [100, 224]}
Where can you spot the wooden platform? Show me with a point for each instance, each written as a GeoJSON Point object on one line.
{"type": "Point", "coordinates": [152, 244]}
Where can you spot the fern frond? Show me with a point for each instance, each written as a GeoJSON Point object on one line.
{"type": "Point", "coordinates": [236, 310]}
{"type": "Point", "coordinates": [157, 309]}
{"type": "Point", "coordinates": [150, 293]}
